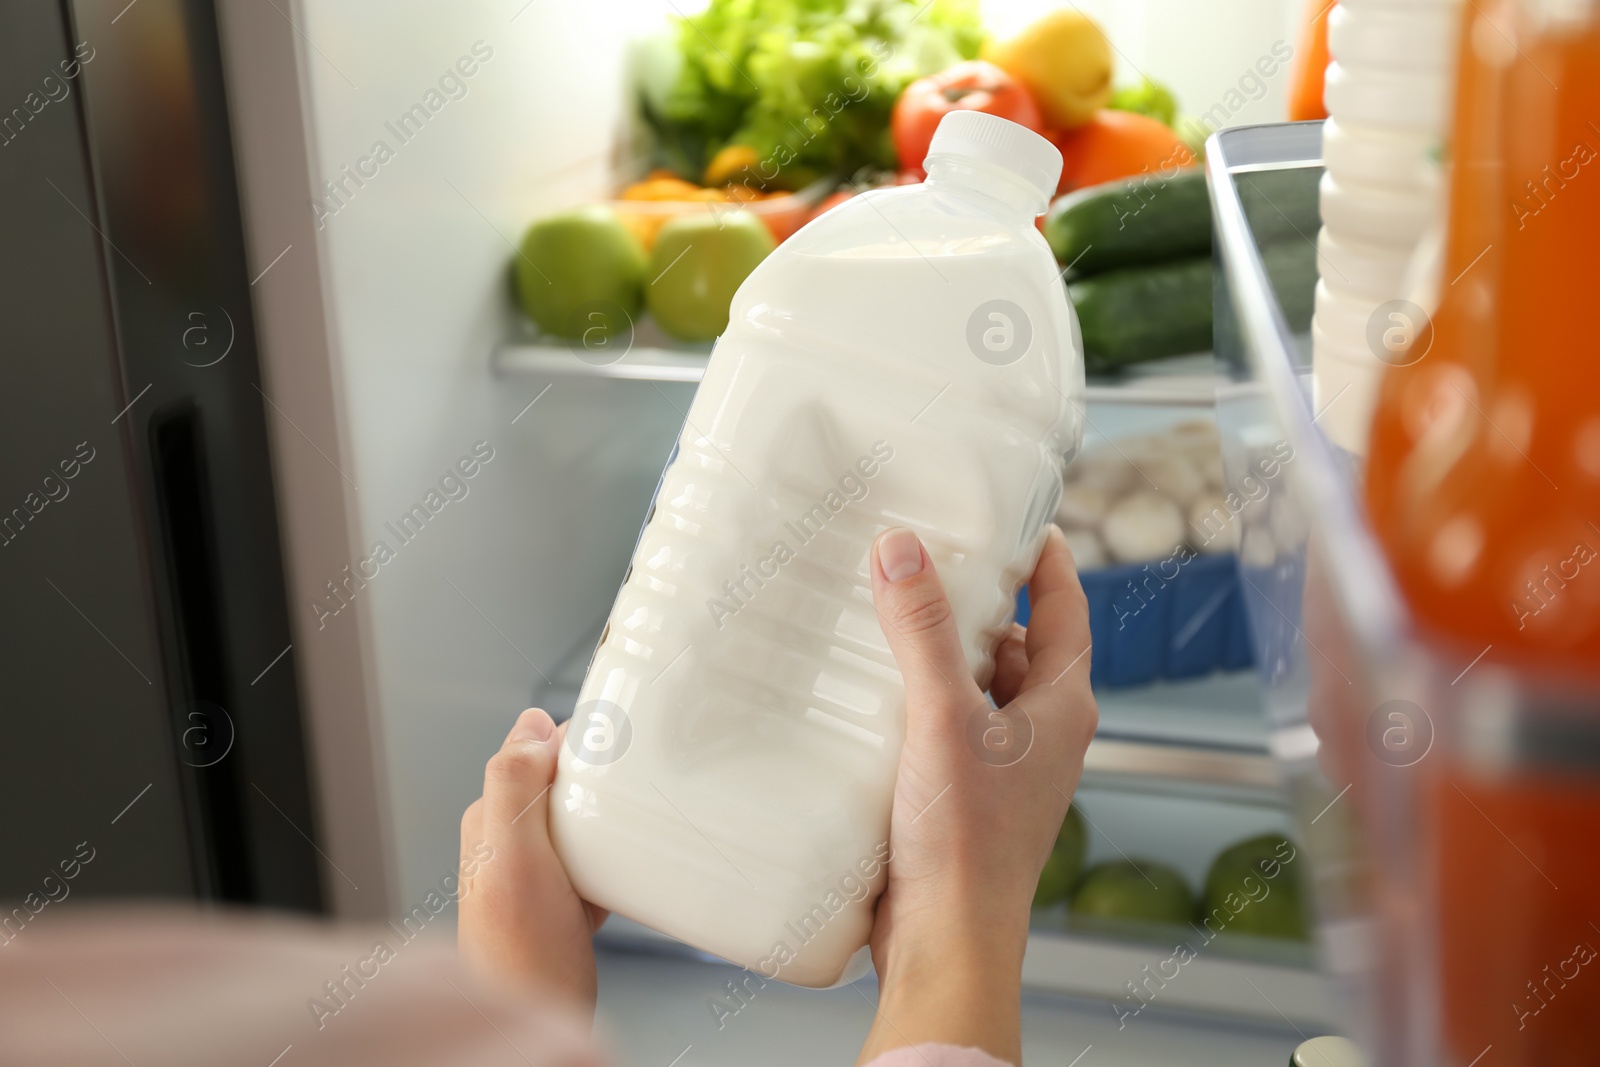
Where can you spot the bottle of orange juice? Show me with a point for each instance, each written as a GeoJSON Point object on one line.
{"type": "Point", "coordinates": [1483, 484]}
{"type": "Point", "coordinates": [1483, 480]}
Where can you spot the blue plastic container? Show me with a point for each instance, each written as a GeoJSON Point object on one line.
{"type": "Point", "coordinates": [1163, 620]}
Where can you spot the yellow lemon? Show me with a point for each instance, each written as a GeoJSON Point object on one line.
{"type": "Point", "coordinates": [1065, 61]}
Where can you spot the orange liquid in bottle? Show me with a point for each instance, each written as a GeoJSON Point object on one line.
{"type": "Point", "coordinates": [1518, 959]}
{"type": "Point", "coordinates": [1484, 471]}
{"type": "Point", "coordinates": [1483, 484]}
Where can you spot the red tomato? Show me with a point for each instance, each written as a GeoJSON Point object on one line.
{"type": "Point", "coordinates": [783, 222]}
{"type": "Point", "coordinates": [832, 200]}
{"type": "Point", "coordinates": [970, 86]}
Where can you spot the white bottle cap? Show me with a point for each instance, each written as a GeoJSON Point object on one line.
{"type": "Point", "coordinates": [999, 142]}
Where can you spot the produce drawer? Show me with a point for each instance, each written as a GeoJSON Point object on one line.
{"type": "Point", "coordinates": [1148, 623]}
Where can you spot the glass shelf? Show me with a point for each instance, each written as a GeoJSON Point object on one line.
{"type": "Point", "coordinates": [1217, 982]}
{"type": "Point", "coordinates": [1200, 737]}
{"type": "Point", "coordinates": [651, 357]}
{"type": "Point", "coordinates": [551, 361]}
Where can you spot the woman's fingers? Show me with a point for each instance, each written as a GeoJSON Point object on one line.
{"type": "Point", "coordinates": [1058, 628]}
{"type": "Point", "coordinates": [1010, 666]}
{"type": "Point", "coordinates": [920, 627]}
{"type": "Point", "coordinates": [516, 783]}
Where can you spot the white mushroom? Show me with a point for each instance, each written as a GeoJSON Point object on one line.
{"type": "Point", "coordinates": [1200, 443]}
{"type": "Point", "coordinates": [1171, 474]}
{"type": "Point", "coordinates": [1144, 450]}
{"type": "Point", "coordinates": [1209, 464]}
{"type": "Point", "coordinates": [1143, 526]}
{"type": "Point", "coordinates": [1103, 469]}
{"type": "Point", "coordinates": [1087, 552]}
{"type": "Point", "coordinates": [1213, 529]}
{"type": "Point", "coordinates": [1082, 507]}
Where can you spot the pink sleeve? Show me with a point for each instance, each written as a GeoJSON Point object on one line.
{"type": "Point", "coordinates": [936, 1056]}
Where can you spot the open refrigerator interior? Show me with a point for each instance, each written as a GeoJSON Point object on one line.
{"type": "Point", "coordinates": [499, 601]}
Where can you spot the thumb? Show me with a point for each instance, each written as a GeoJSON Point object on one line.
{"type": "Point", "coordinates": [516, 783]}
{"type": "Point", "coordinates": [919, 624]}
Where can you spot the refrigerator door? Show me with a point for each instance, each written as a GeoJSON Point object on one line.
{"type": "Point", "coordinates": [154, 724]}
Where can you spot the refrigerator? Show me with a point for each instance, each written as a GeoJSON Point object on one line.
{"type": "Point", "coordinates": [260, 263]}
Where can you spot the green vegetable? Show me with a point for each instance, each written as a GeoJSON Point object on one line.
{"type": "Point", "coordinates": [1254, 887]}
{"type": "Point", "coordinates": [1132, 890]}
{"type": "Point", "coordinates": [1141, 313]}
{"type": "Point", "coordinates": [1154, 218]}
{"type": "Point", "coordinates": [1150, 312]}
{"type": "Point", "coordinates": [807, 84]}
{"type": "Point", "coordinates": [1137, 220]}
{"type": "Point", "coordinates": [1147, 98]}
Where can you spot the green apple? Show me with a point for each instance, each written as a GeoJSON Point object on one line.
{"type": "Point", "coordinates": [1066, 860]}
{"type": "Point", "coordinates": [1136, 890]}
{"type": "Point", "coordinates": [699, 261]}
{"type": "Point", "coordinates": [1263, 882]}
{"type": "Point", "coordinates": [580, 271]}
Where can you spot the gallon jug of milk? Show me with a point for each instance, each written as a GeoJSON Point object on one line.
{"type": "Point", "coordinates": [908, 358]}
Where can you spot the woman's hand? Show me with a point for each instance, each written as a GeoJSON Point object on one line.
{"type": "Point", "coordinates": [521, 921]}
{"type": "Point", "coordinates": [980, 797]}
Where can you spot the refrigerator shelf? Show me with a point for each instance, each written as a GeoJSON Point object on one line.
{"type": "Point", "coordinates": [645, 354]}
{"type": "Point", "coordinates": [1182, 381]}
{"type": "Point", "coordinates": [640, 364]}
{"type": "Point", "coordinates": [1216, 982]}
{"type": "Point", "coordinates": [1200, 737]}
{"type": "Point", "coordinates": [1155, 766]}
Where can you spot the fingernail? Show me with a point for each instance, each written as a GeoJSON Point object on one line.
{"type": "Point", "coordinates": [899, 554]}
{"type": "Point", "coordinates": [532, 725]}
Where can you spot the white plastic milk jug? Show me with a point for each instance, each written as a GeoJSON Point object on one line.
{"type": "Point", "coordinates": [908, 358]}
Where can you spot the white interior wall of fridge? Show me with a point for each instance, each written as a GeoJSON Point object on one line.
{"type": "Point", "coordinates": [508, 584]}
{"type": "Point", "coordinates": [502, 583]}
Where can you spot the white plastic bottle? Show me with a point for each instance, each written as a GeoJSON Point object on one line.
{"type": "Point", "coordinates": [1388, 96]}
{"type": "Point", "coordinates": [908, 358]}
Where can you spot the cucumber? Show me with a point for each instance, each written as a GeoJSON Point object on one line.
{"type": "Point", "coordinates": [1149, 219]}
{"type": "Point", "coordinates": [1141, 313]}
{"type": "Point", "coordinates": [1155, 219]}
